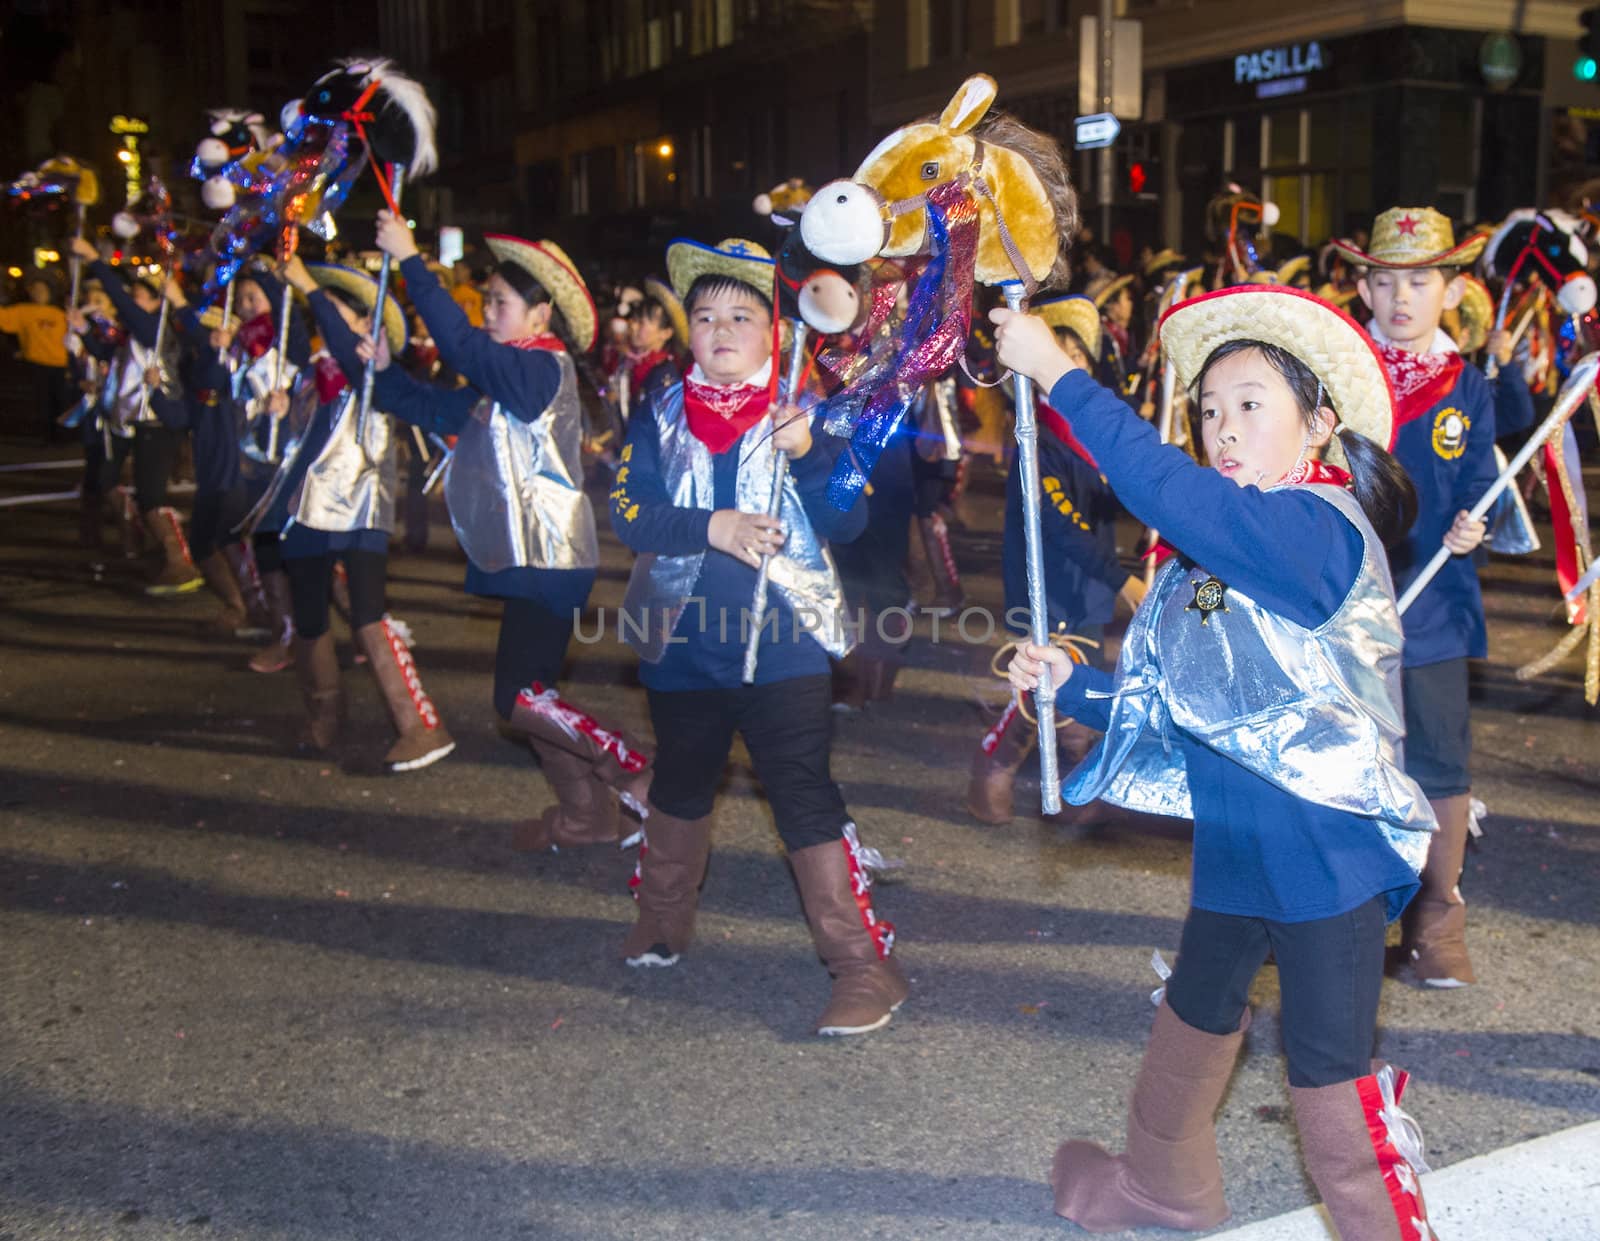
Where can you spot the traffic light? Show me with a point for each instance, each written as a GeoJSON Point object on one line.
{"type": "Point", "coordinates": [1136, 178]}
{"type": "Point", "coordinates": [1587, 67]}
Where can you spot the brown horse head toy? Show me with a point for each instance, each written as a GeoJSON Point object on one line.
{"type": "Point", "coordinates": [1027, 209]}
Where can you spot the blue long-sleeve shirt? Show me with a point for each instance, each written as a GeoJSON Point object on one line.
{"type": "Point", "coordinates": [144, 326]}
{"type": "Point", "coordinates": [1451, 473]}
{"type": "Point", "coordinates": [213, 428]}
{"type": "Point", "coordinates": [644, 517]}
{"type": "Point", "coordinates": [523, 381]}
{"type": "Point", "coordinates": [1258, 851]}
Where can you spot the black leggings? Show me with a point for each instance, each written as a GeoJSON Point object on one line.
{"type": "Point", "coordinates": [311, 588]}
{"type": "Point", "coordinates": [155, 450]}
{"type": "Point", "coordinates": [268, 547]}
{"type": "Point", "coordinates": [788, 729]}
{"type": "Point", "coordinates": [211, 525]}
{"type": "Point", "coordinates": [1329, 974]}
{"type": "Point", "coordinates": [532, 647]}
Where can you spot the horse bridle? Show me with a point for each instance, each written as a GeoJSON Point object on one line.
{"type": "Point", "coordinates": [970, 177]}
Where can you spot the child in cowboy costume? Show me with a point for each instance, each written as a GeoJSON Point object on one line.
{"type": "Point", "coordinates": [341, 500]}
{"type": "Point", "coordinates": [691, 498]}
{"type": "Point", "coordinates": [1083, 574]}
{"type": "Point", "coordinates": [1258, 693]}
{"type": "Point", "coordinates": [1445, 419]}
{"type": "Point", "coordinates": [515, 492]}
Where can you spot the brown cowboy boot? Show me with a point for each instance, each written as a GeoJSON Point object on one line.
{"type": "Point", "coordinates": [1073, 743]}
{"type": "Point", "coordinates": [1364, 1154]}
{"type": "Point", "coordinates": [853, 942]}
{"type": "Point", "coordinates": [1004, 749]}
{"type": "Point", "coordinates": [542, 715]}
{"type": "Point", "coordinates": [275, 656]}
{"type": "Point", "coordinates": [586, 811]}
{"type": "Point", "coordinates": [177, 575]}
{"type": "Point", "coordinates": [219, 579]}
{"type": "Point", "coordinates": [318, 666]}
{"type": "Point", "coordinates": [423, 739]}
{"type": "Point", "coordinates": [1170, 1176]}
{"type": "Point", "coordinates": [241, 558]}
{"type": "Point", "coordinates": [666, 883]}
{"type": "Point", "coordinates": [1433, 944]}
{"type": "Point", "coordinates": [947, 592]}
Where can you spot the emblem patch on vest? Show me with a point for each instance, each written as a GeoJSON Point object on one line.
{"type": "Point", "coordinates": [1209, 597]}
{"type": "Point", "coordinates": [1450, 427]}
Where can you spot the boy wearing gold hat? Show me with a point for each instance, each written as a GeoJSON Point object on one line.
{"type": "Point", "coordinates": [691, 498]}
{"type": "Point", "coordinates": [1445, 431]}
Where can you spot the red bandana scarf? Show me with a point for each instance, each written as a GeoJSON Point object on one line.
{"type": "Point", "coordinates": [640, 370]}
{"type": "Point", "coordinates": [1421, 380]}
{"type": "Point", "coordinates": [256, 337]}
{"type": "Point", "coordinates": [548, 341]}
{"type": "Point", "coordinates": [329, 378]}
{"type": "Point", "coordinates": [719, 416]}
{"type": "Point", "coordinates": [1059, 427]}
{"type": "Point", "coordinates": [1310, 470]}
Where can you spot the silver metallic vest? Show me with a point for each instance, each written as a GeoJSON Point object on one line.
{"type": "Point", "coordinates": [803, 574]}
{"type": "Point", "coordinates": [515, 488]}
{"type": "Point", "coordinates": [351, 486]}
{"type": "Point", "coordinates": [128, 370]}
{"type": "Point", "coordinates": [1314, 711]}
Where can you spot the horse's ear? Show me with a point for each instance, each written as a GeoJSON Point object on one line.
{"type": "Point", "coordinates": [967, 105]}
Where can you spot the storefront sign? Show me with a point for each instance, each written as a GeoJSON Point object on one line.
{"type": "Point", "coordinates": [1280, 70]}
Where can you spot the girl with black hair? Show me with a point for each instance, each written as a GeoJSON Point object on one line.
{"type": "Point", "coordinates": [1258, 692]}
{"type": "Point", "coordinates": [515, 493]}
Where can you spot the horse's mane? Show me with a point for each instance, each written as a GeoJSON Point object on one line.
{"type": "Point", "coordinates": [1043, 155]}
{"type": "Point", "coordinates": [407, 95]}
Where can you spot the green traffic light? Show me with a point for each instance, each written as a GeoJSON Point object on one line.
{"type": "Point", "coordinates": [1585, 69]}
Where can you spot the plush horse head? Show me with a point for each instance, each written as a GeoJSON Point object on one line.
{"type": "Point", "coordinates": [150, 214]}
{"type": "Point", "coordinates": [825, 297]}
{"type": "Point", "coordinates": [61, 179]}
{"type": "Point", "coordinates": [1544, 244]}
{"type": "Point", "coordinates": [1027, 209]}
{"type": "Point", "coordinates": [396, 118]}
{"type": "Point", "coordinates": [1231, 218]}
{"type": "Point", "coordinates": [232, 135]}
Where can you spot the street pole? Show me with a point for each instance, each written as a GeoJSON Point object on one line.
{"type": "Point", "coordinates": [1107, 32]}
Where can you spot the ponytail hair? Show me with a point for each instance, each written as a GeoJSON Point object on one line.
{"type": "Point", "coordinates": [1381, 485]}
{"type": "Point", "coordinates": [1379, 482]}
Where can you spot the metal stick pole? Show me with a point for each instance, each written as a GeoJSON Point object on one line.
{"type": "Point", "coordinates": [278, 365]}
{"type": "Point", "coordinates": [397, 180]}
{"type": "Point", "coordinates": [161, 340]}
{"type": "Point", "coordinates": [1573, 394]}
{"type": "Point", "coordinates": [77, 263]}
{"type": "Point", "coordinates": [1044, 700]}
{"type": "Point", "coordinates": [780, 471]}
{"type": "Point", "coordinates": [227, 313]}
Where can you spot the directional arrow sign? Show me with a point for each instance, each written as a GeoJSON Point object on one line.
{"type": "Point", "coordinates": [1099, 130]}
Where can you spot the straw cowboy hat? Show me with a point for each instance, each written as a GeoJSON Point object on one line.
{"type": "Point", "coordinates": [365, 291]}
{"type": "Point", "coordinates": [1413, 237]}
{"type": "Point", "coordinates": [548, 263]}
{"type": "Point", "coordinates": [1476, 313]}
{"type": "Point", "coordinates": [1106, 287]}
{"type": "Point", "coordinates": [743, 260]}
{"type": "Point", "coordinates": [672, 304]}
{"type": "Point", "coordinates": [1077, 312]}
{"type": "Point", "coordinates": [1161, 261]}
{"type": "Point", "coordinates": [1341, 355]}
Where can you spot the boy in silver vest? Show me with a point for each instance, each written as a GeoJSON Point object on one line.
{"type": "Point", "coordinates": [691, 498]}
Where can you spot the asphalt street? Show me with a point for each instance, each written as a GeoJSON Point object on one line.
{"type": "Point", "coordinates": [245, 995]}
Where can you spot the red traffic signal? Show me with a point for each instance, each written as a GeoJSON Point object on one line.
{"type": "Point", "coordinates": [1137, 178]}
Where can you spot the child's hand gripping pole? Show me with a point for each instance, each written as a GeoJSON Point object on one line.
{"type": "Point", "coordinates": [1573, 394]}
{"type": "Point", "coordinates": [1038, 617]}
{"type": "Point", "coordinates": [780, 471]}
{"type": "Point", "coordinates": [397, 180]}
